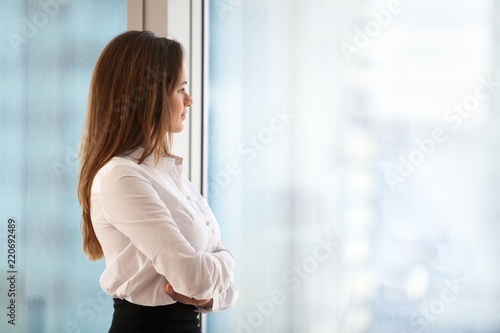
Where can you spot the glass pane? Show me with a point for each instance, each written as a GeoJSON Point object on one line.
{"type": "Point", "coordinates": [48, 51]}
{"type": "Point", "coordinates": [353, 163]}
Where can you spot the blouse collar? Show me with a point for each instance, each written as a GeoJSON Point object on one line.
{"type": "Point", "coordinates": [165, 163]}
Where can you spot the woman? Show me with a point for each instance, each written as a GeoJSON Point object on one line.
{"type": "Point", "coordinates": [165, 262]}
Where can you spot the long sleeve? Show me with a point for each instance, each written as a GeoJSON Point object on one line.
{"type": "Point", "coordinates": [225, 299]}
{"type": "Point", "coordinates": [132, 205]}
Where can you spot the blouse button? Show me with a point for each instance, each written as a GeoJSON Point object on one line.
{"type": "Point", "coordinates": [188, 197]}
{"type": "Point", "coordinates": [208, 223]}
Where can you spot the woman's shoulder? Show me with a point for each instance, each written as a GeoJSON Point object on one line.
{"type": "Point", "coordinates": [119, 163]}
{"type": "Point", "coordinates": [118, 167]}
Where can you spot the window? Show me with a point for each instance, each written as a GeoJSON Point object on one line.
{"type": "Point", "coordinates": [352, 163]}
{"type": "Point", "coordinates": [48, 52]}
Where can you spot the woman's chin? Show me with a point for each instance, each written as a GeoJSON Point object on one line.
{"type": "Point", "coordinates": [179, 128]}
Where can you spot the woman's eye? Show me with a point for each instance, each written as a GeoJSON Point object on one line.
{"type": "Point", "coordinates": [182, 90]}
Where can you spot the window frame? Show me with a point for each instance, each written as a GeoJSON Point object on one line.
{"type": "Point", "coordinates": [184, 21]}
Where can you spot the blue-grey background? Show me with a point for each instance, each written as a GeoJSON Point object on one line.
{"type": "Point", "coordinates": [342, 215]}
{"type": "Point", "coordinates": [47, 54]}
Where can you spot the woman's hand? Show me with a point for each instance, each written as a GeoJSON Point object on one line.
{"type": "Point", "coordinates": [203, 303]}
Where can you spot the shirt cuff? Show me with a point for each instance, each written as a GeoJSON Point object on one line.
{"type": "Point", "coordinates": [228, 256]}
{"type": "Point", "coordinates": [215, 305]}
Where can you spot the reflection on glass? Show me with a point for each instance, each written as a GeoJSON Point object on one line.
{"type": "Point", "coordinates": [352, 164]}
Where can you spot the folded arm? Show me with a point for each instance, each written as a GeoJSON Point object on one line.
{"type": "Point", "coordinates": [222, 301]}
{"type": "Point", "coordinates": [132, 205]}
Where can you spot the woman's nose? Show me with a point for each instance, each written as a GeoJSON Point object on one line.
{"type": "Point", "coordinates": [188, 101]}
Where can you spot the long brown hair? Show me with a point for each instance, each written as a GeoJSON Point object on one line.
{"type": "Point", "coordinates": [126, 108]}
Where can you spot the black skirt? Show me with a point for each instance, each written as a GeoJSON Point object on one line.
{"type": "Point", "coordinates": [172, 318]}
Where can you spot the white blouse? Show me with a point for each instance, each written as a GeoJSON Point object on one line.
{"type": "Point", "coordinates": [155, 227]}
